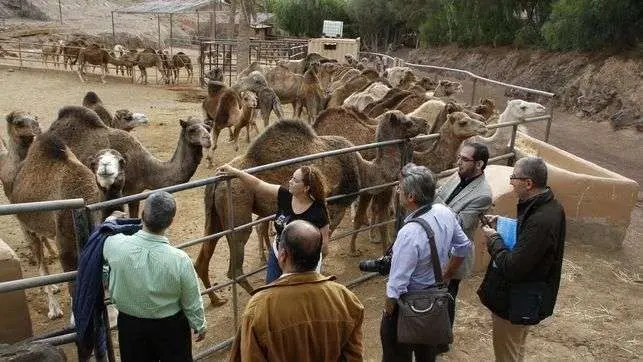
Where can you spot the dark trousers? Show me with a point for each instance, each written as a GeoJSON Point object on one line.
{"type": "Point", "coordinates": [165, 339]}
{"type": "Point", "coordinates": [392, 351]}
{"type": "Point", "coordinates": [454, 285]}
{"type": "Point", "coordinates": [273, 271]}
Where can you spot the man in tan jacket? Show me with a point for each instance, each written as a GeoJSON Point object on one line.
{"type": "Point", "coordinates": [303, 315]}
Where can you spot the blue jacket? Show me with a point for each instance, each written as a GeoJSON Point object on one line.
{"type": "Point", "coordinates": [88, 303]}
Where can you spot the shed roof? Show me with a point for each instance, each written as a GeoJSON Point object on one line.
{"type": "Point", "coordinates": [166, 6]}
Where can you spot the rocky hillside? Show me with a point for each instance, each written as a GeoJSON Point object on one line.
{"type": "Point", "coordinates": [603, 87]}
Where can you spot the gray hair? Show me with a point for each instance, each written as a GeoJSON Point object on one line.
{"type": "Point", "coordinates": [533, 168]}
{"type": "Point", "coordinates": [159, 211]}
{"type": "Point", "coordinates": [418, 182]}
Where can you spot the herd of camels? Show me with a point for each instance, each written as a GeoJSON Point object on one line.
{"type": "Point", "coordinates": [88, 152]}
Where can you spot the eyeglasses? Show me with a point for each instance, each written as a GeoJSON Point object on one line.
{"type": "Point", "coordinates": [514, 177]}
{"type": "Point", "coordinates": [464, 159]}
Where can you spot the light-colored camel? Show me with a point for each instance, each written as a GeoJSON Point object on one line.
{"type": "Point", "coordinates": [288, 139]}
{"type": "Point", "coordinates": [457, 128]}
{"type": "Point", "coordinates": [233, 109]}
{"type": "Point", "coordinates": [266, 96]}
{"type": "Point", "coordinates": [302, 65]}
{"type": "Point", "coordinates": [287, 85]}
{"type": "Point", "coordinates": [247, 120]}
{"type": "Point", "coordinates": [356, 84]}
{"type": "Point", "coordinates": [516, 110]}
{"type": "Point", "coordinates": [392, 98]}
{"type": "Point", "coordinates": [50, 171]}
{"type": "Point", "coordinates": [146, 59]}
{"type": "Point", "coordinates": [399, 75]}
{"type": "Point", "coordinates": [254, 66]}
{"type": "Point", "coordinates": [341, 77]}
{"type": "Point", "coordinates": [181, 60]}
{"type": "Point", "coordinates": [86, 135]}
{"type": "Point", "coordinates": [122, 119]}
{"type": "Point", "coordinates": [94, 55]}
{"type": "Point", "coordinates": [52, 50]}
{"type": "Point", "coordinates": [372, 93]}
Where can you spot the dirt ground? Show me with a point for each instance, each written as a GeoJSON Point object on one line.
{"type": "Point", "coordinates": [598, 312]}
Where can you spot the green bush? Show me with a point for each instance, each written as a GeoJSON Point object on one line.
{"type": "Point", "coordinates": [306, 17]}
{"type": "Point", "coordinates": [593, 24]}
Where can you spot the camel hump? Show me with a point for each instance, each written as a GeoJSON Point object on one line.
{"type": "Point", "coordinates": [279, 135]}
{"type": "Point", "coordinates": [90, 99]}
{"type": "Point", "coordinates": [50, 146]}
{"type": "Point", "coordinates": [78, 115]}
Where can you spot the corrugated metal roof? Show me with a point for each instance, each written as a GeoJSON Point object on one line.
{"type": "Point", "coordinates": [165, 6]}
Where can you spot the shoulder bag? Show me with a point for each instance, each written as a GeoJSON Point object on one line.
{"type": "Point", "coordinates": [423, 315]}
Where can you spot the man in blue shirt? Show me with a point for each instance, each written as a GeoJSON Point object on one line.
{"type": "Point", "coordinates": [411, 267]}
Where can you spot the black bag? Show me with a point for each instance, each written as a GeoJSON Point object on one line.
{"type": "Point", "coordinates": [423, 315]}
{"type": "Point", "coordinates": [526, 301]}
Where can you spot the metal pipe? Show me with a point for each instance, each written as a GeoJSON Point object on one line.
{"type": "Point", "coordinates": [59, 340]}
{"type": "Point", "coordinates": [216, 348]}
{"type": "Point", "coordinates": [473, 91]}
{"type": "Point", "coordinates": [26, 283]}
{"type": "Point", "coordinates": [60, 12]}
{"type": "Point", "coordinates": [233, 255]}
{"type": "Point", "coordinates": [360, 279]}
{"type": "Point", "coordinates": [171, 26]}
{"type": "Point", "coordinates": [230, 282]}
{"type": "Point", "coordinates": [113, 28]}
{"type": "Point", "coordinates": [551, 118]}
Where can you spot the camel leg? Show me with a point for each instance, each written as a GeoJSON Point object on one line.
{"type": "Point", "coordinates": [362, 205]}
{"type": "Point", "coordinates": [80, 72]}
{"type": "Point", "coordinates": [210, 156]}
{"type": "Point", "coordinates": [103, 74]}
{"type": "Point", "coordinates": [380, 208]}
{"type": "Point", "coordinates": [263, 239]}
{"type": "Point", "coordinates": [132, 207]}
{"type": "Point", "coordinates": [239, 238]}
{"type": "Point", "coordinates": [235, 137]}
{"type": "Point", "coordinates": [35, 243]}
{"type": "Point", "coordinates": [202, 265]}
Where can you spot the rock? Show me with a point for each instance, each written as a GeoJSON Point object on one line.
{"type": "Point", "coordinates": [32, 352]}
{"type": "Point", "coordinates": [624, 118]}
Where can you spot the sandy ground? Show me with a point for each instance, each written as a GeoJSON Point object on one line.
{"type": "Point", "coordinates": [598, 311]}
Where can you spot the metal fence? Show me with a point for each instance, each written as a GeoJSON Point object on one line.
{"type": "Point", "coordinates": [81, 212]}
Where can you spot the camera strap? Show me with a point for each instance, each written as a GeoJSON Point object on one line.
{"type": "Point", "coordinates": [435, 260]}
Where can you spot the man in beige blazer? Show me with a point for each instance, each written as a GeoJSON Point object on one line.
{"type": "Point", "coordinates": [467, 193]}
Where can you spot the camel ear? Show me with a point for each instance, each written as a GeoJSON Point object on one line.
{"type": "Point", "coordinates": [122, 162]}
{"type": "Point", "coordinates": [451, 107]}
{"type": "Point", "coordinates": [207, 127]}
{"type": "Point", "coordinates": [183, 123]}
{"type": "Point", "coordinates": [92, 163]}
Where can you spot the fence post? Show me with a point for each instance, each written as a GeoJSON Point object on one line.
{"type": "Point", "coordinates": [20, 53]}
{"type": "Point", "coordinates": [406, 154]}
{"type": "Point", "coordinates": [551, 118]}
{"type": "Point", "coordinates": [512, 144]}
{"type": "Point", "coordinates": [233, 253]}
{"type": "Point", "coordinates": [473, 91]}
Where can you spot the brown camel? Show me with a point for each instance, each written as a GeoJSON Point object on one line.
{"type": "Point", "coordinates": [86, 135]}
{"type": "Point", "coordinates": [350, 123]}
{"type": "Point", "coordinates": [392, 98]}
{"type": "Point", "coordinates": [71, 50]}
{"type": "Point", "coordinates": [50, 171]}
{"type": "Point", "coordinates": [181, 60]}
{"type": "Point", "coordinates": [146, 59]}
{"type": "Point", "coordinates": [288, 139]}
{"type": "Point", "coordinates": [302, 65]}
{"type": "Point", "coordinates": [95, 55]}
{"type": "Point", "coordinates": [124, 63]}
{"type": "Point", "coordinates": [254, 66]}
{"type": "Point", "coordinates": [291, 88]}
{"type": "Point", "coordinates": [266, 96]}
{"type": "Point", "coordinates": [122, 119]}
{"type": "Point", "coordinates": [233, 109]}
{"type": "Point", "coordinates": [354, 85]}
{"type": "Point", "coordinates": [22, 128]}
{"type": "Point", "coordinates": [458, 127]}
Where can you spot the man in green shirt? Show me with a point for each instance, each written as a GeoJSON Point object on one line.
{"type": "Point", "coordinates": [154, 287]}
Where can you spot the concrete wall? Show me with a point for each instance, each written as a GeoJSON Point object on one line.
{"type": "Point", "coordinates": [598, 203]}
{"type": "Point", "coordinates": [334, 48]}
{"type": "Point", "coordinates": [15, 320]}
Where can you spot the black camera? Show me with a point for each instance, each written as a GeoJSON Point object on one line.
{"type": "Point", "coordinates": [381, 265]}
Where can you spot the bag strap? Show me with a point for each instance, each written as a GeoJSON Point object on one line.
{"type": "Point", "coordinates": [435, 260]}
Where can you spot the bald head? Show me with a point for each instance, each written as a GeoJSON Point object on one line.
{"type": "Point", "coordinates": [302, 242]}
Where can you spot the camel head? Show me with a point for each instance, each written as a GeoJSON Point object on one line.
{"type": "Point", "coordinates": [195, 132]}
{"type": "Point", "coordinates": [109, 167]}
{"type": "Point", "coordinates": [448, 88]}
{"type": "Point", "coordinates": [427, 83]}
{"type": "Point", "coordinates": [395, 124]}
{"type": "Point", "coordinates": [486, 108]}
{"type": "Point", "coordinates": [350, 59]}
{"type": "Point", "coordinates": [249, 98]}
{"type": "Point", "coordinates": [519, 109]}
{"type": "Point", "coordinates": [22, 128]}
{"type": "Point", "coordinates": [464, 126]}
{"type": "Point", "coordinates": [127, 121]}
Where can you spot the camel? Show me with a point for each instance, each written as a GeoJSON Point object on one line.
{"type": "Point", "coordinates": [457, 128]}
{"type": "Point", "coordinates": [350, 123]}
{"type": "Point", "coordinates": [50, 171]}
{"type": "Point", "coordinates": [254, 66]}
{"type": "Point", "coordinates": [95, 55]}
{"type": "Point", "coordinates": [71, 50]}
{"type": "Point", "coordinates": [392, 98]}
{"type": "Point", "coordinates": [266, 96]}
{"type": "Point", "coordinates": [146, 59]}
{"type": "Point", "coordinates": [487, 109]}
{"type": "Point", "coordinates": [516, 110]}
{"type": "Point", "coordinates": [214, 75]}
{"type": "Point", "coordinates": [286, 139]}
{"type": "Point", "coordinates": [372, 93]}
{"type": "Point", "coordinates": [356, 84]}
{"type": "Point", "coordinates": [341, 77]}
{"type": "Point", "coordinates": [22, 128]}
{"type": "Point", "coordinates": [233, 110]}
{"type": "Point", "coordinates": [122, 119]}
{"type": "Point", "coordinates": [123, 59]}
{"type": "Point", "coordinates": [288, 86]}
{"type": "Point", "coordinates": [83, 131]}
{"type": "Point", "coordinates": [246, 121]}
{"type": "Point", "coordinates": [53, 50]}
{"type": "Point", "coordinates": [302, 65]}
{"type": "Point", "coordinates": [327, 71]}
{"type": "Point", "coordinates": [109, 167]}
{"type": "Point", "coordinates": [7, 53]}
{"type": "Point", "coordinates": [181, 60]}
{"type": "Point", "coordinates": [399, 75]}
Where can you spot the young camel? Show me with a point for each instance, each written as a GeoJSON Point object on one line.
{"type": "Point", "coordinates": [122, 119]}
{"type": "Point", "coordinates": [86, 134]}
{"type": "Point", "coordinates": [288, 139]}
{"type": "Point", "coordinates": [50, 171]}
{"type": "Point", "coordinates": [95, 55]}
{"type": "Point", "coordinates": [234, 110]}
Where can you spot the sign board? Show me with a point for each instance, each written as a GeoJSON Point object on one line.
{"type": "Point", "coordinates": [333, 29]}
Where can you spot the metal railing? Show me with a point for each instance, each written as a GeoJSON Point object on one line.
{"type": "Point", "coordinates": [64, 336]}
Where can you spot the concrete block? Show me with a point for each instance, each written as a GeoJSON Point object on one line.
{"type": "Point", "coordinates": [14, 313]}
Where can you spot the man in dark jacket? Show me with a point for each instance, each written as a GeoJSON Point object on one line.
{"type": "Point", "coordinates": [521, 283]}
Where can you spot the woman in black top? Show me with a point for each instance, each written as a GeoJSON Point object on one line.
{"type": "Point", "coordinates": [304, 199]}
